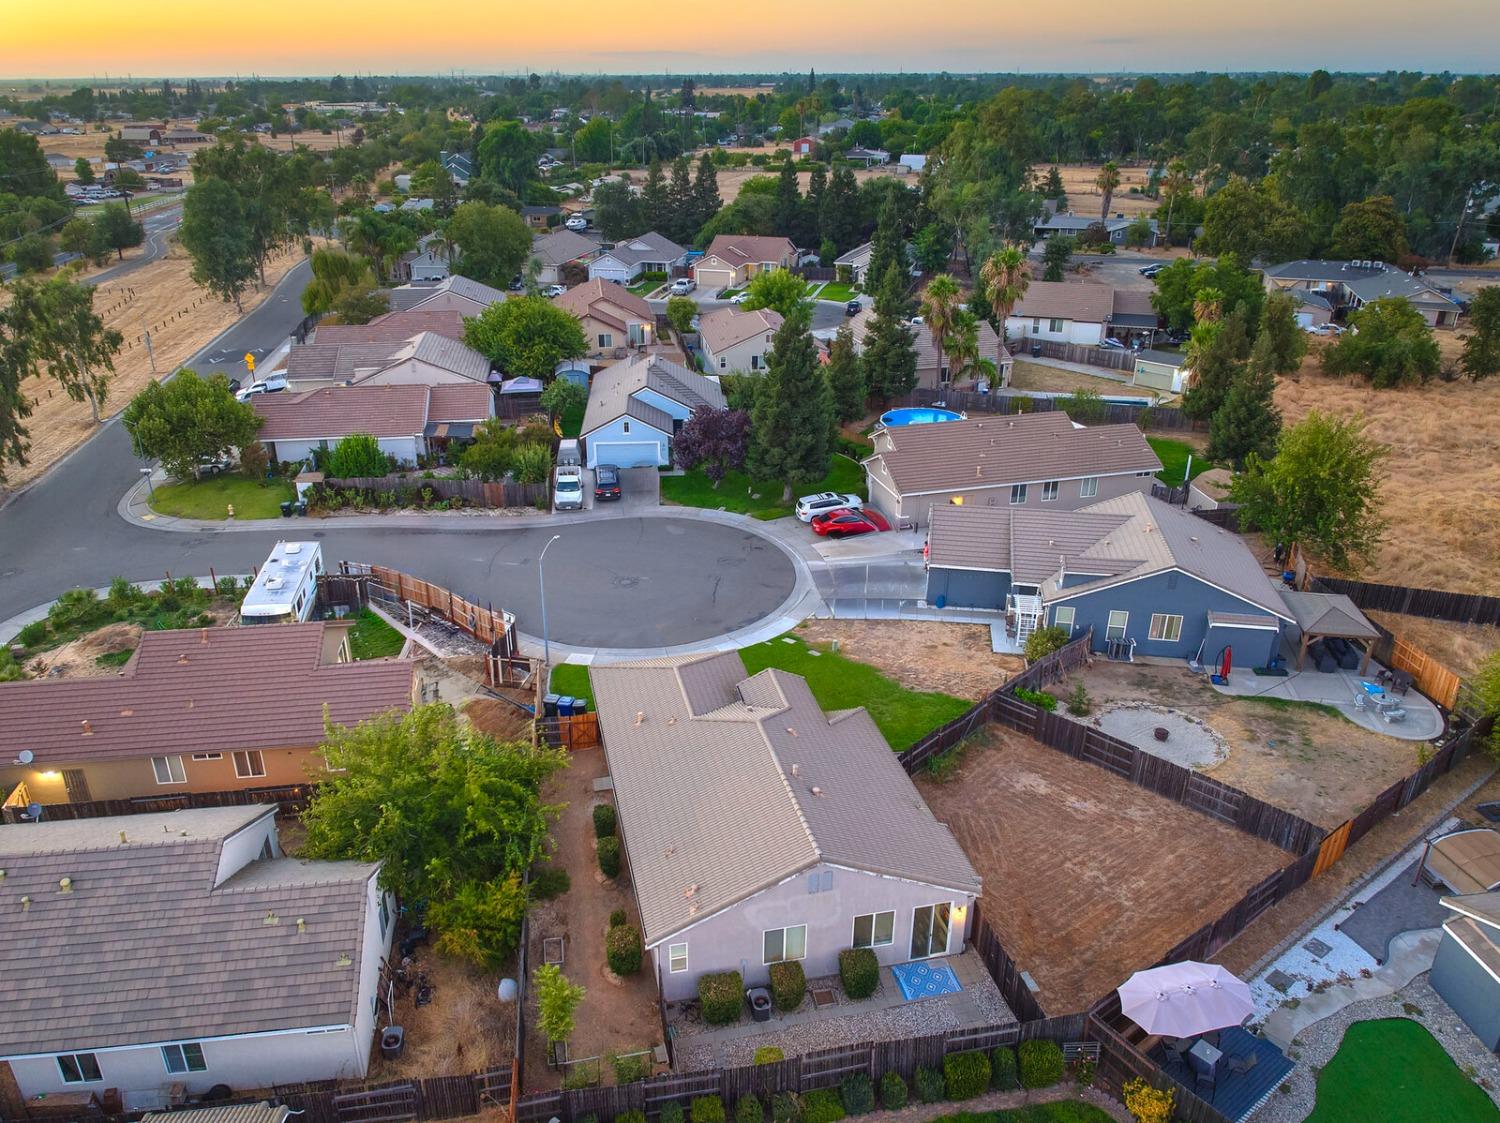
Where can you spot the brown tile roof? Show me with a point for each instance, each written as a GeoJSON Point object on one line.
{"type": "Point", "coordinates": [927, 354]}
{"type": "Point", "coordinates": [606, 301]}
{"type": "Point", "coordinates": [728, 783]}
{"type": "Point", "coordinates": [394, 326]}
{"type": "Point", "coordinates": [144, 948]}
{"type": "Point", "coordinates": [201, 690]}
{"type": "Point", "coordinates": [725, 327]}
{"type": "Point", "coordinates": [996, 451]}
{"type": "Point", "coordinates": [1028, 544]}
{"type": "Point", "coordinates": [456, 402]}
{"type": "Point", "coordinates": [337, 411]}
{"type": "Point", "coordinates": [1133, 302]}
{"type": "Point", "coordinates": [1067, 300]}
{"type": "Point", "coordinates": [612, 393]}
{"type": "Point", "coordinates": [739, 249]}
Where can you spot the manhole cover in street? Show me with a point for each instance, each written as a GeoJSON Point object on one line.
{"type": "Point", "coordinates": [1280, 981]}
{"type": "Point", "coordinates": [625, 582]}
{"type": "Point", "coordinates": [1317, 948]}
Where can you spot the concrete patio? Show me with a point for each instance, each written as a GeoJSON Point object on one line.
{"type": "Point", "coordinates": [1339, 689]}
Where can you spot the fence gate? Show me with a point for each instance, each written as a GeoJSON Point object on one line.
{"type": "Point", "coordinates": [396, 1104]}
{"type": "Point", "coordinates": [1332, 849]}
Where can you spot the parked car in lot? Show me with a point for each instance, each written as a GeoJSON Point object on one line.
{"type": "Point", "coordinates": [844, 523]}
{"type": "Point", "coordinates": [683, 285]}
{"type": "Point", "coordinates": [853, 307]}
{"type": "Point", "coordinates": [554, 290]}
{"type": "Point", "coordinates": [262, 386]}
{"type": "Point", "coordinates": [1153, 269]}
{"type": "Point", "coordinates": [606, 482]}
{"type": "Point", "coordinates": [810, 505]}
{"type": "Point", "coordinates": [577, 222]}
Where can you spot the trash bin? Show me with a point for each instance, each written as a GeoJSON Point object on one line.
{"type": "Point", "coordinates": [565, 705]}
{"type": "Point", "coordinates": [549, 705]}
{"type": "Point", "coordinates": [302, 507]}
{"type": "Point", "coordinates": [1036, 350]}
{"type": "Point", "coordinates": [760, 1003]}
{"type": "Point", "coordinates": [286, 508]}
{"type": "Point", "coordinates": [392, 1042]}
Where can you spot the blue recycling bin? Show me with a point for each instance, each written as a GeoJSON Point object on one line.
{"type": "Point", "coordinates": [565, 706]}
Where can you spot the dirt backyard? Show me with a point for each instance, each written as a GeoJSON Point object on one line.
{"type": "Point", "coordinates": [1084, 197]}
{"type": "Point", "coordinates": [732, 179]}
{"type": "Point", "coordinates": [465, 1028]}
{"type": "Point", "coordinates": [1086, 876]}
{"type": "Point", "coordinates": [182, 318]}
{"type": "Point", "coordinates": [952, 658]}
{"type": "Point", "coordinates": [1057, 380]}
{"type": "Point", "coordinates": [616, 1015]}
{"type": "Point", "coordinates": [1294, 756]}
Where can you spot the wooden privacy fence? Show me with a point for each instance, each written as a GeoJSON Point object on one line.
{"type": "Point", "coordinates": [1003, 969]}
{"type": "Point", "coordinates": [1153, 417]}
{"type": "Point", "coordinates": [394, 1101]}
{"type": "Point", "coordinates": [579, 731]}
{"type": "Point", "coordinates": [484, 623]}
{"type": "Point", "coordinates": [1435, 604]}
{"type": "Point", "coordinates": [290, 798]}
{"type": "Point", "coordinates": [480, 493]}
{"type": "Point", "coordinates": [1120, 1062]}
{"type": "Point", "coordinates": [1109, 358]}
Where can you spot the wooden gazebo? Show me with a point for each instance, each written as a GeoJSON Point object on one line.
{"type": "Point", "coordinates": [1321, 615]}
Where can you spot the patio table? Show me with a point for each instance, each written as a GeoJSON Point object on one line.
{"type": "Point", "coordinates": [1373, 689]}
{"type": "Point", "coordinates": [1206, 1058]}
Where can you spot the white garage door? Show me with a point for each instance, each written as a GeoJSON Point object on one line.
{"type": "Point", "coordinates": [624, 454]}
{"type": "Point", "coordinates": [1304, 319]}
{"type": "Point", "coordinates": [607, 271]}
{"type": "Point", "coordinates": [713, 278]}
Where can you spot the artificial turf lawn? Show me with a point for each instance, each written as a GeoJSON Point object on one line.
{"type": "Point", "coordinates": [372, 638]}
{"type": "Point", "coordinates": [903, 716]}
{"type": "Point", "coordinates": [210, 498]}
{"type": "Point", "coordinates": [1174, 455]}
{"type": "Point", "coordinates": [1394, 1070]}
{"type": "Point", "coordinates": [758, 499]}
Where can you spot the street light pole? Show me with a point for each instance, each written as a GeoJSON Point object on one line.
{"type": "Point", "coordinates": [541, 580]}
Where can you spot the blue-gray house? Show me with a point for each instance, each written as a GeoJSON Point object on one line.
{"type": "Point", "coordinates": [1150, 579]}
{"type": "Point", "coordinates": [1466, 971]}
{"type": "Point", "coordinates": [636, 407]}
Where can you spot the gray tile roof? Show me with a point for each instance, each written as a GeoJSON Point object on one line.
{"type": "Point", "coordinates": [448, 354]}
{"type": "Point", "coordinates": [612, 393]}
{"type": "Point", "coordinates": [1173, 359]}
{"type": "Point", "coordinates": [413, 294]}
{"type": "Point", "coordinates": [1030, 545]}
{"type": "Point", "coordinates": [649, 246]}
{"type": "Point", "coordinates": [728, 784]}
{"type": "Point", "coordinates": [261, 1112]}
{"type": "Point", "coordinates": [1328, 614]}
{"type": "Point", "coordinates": [563, 246]}
{"type": "Point", "coordinates": [1317, 269]}
{"type": "Point", "coordinates": [998, 451]}
{"type": "Point", "coordinates": [144, 948]}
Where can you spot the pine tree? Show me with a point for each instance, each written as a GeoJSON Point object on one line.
{"type": "Point", "coordinates": [680, 201]}
{"type": "Point", "coordinates": [1216, 356]}
{"type": "Point", "coordinates": [817, 190]}
{"type": "Point", "coordinates": [840, 218]}
{"type": "Point", "coordinates": [656, 204]}
{"type": "Point", "coordinates": [846, 377]}
{"type": "Point", "coordinates": [792, 422]}
{"type": "Point", "coordinates": [1248, 421]}
{"type": "Point", "coordinates": [890, 354]}
{"type": "Point", "coordinates": [788, 214]}
{"type": "Point", "coordinates": [885, 247]}
{"type": "Point", "coordinates": [706, 201]}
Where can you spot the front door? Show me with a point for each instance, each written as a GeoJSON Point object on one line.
{"type": "Point", "coordinates": [929, 931]}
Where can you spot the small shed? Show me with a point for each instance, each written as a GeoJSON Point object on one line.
{"type": "Point", "coordinates": [1466, 861]}
{"type": "Point", "coordinates": [1321, 615]}
{"type": "Point", "coordinates": [1466, 969]}
{"type": "Point", "coordinates": [262, 1112]}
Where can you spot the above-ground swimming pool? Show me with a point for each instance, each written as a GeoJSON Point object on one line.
{"type": "Point", "coordinates": [922, 415]}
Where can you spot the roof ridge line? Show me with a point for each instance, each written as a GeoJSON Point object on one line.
{"type": "Point", "coordinates": [760, 727]}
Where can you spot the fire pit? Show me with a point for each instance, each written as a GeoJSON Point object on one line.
{"type": "Point", "coordinates": [1161, 733]}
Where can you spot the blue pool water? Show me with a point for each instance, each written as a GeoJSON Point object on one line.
{"type": "Point", "coordinates": [917, 416]}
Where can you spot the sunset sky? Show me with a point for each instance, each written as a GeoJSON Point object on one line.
{"type": "Point", "coordinates": [180, 38]}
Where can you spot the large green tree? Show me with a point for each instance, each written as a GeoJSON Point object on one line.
{"type": "Point", "coordinates": [1321, 490]}
{"type": "Point", "coordinates": [78, 350]}
{"type": "Point", "coordinates": [846, 376]}
{"type": "Point", "coordinates": [890, 353]}
{"type": "Point", "coordinates": [216, 235]}
{"type": "Point", "coordinates": [334, 272]}
{"type": "Point", "coordinates": [1370, 230]}
{"type": "Point", "coordinates": [779, 290]}
{"type": "Point", "coordinates": [1252, 221]}
{"type": "Point", "coordinates": [526, 335]}
{"type": "Point", "coordinates": [1248, 421]}
{"type": "Point", "coordinates": [1481, 357]}
{"type": "Point", "coordinates": [792, 422]}
{"type": "Point", "coordinates": [1281, 343]}
{"type": "Point", "coordinates": [495, 242]}
{"type": "Point", "coordinates": [187, 418]}
{"type": "Point", "coordinates": [1216, 355]}
{"type": "Point", "coordinates": [118, 230]}
{"type": "Point", "coordinates": [1390, 344]}
{"type": "Point", "coordinates": [24, 171]}
{"type": "Point", "coordinates": [1178, 286]}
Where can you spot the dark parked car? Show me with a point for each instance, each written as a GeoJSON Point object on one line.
{"type": "Point", "coordinates": [606, 482]}
{"type": "Point", "coordinates": [852, 308]}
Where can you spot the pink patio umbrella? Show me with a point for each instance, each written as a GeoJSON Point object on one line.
{"type": "Point", "coordinates": [1185, 999]}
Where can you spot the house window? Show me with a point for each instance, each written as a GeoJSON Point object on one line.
{"type": "Point", "coordinates": [723, 363]}
{"type": "Point", "coordinates": [1088, 487]}
{"type": "Point", "coordinates": [625, 428]}
{"type": "Point", "coordinates": [874, 929]}
{"type": "Point", "coordinates": [208, 756]}
{"type": "Point", "coordinates": [781, 944]}
{"type": "Point", "coordinates": [385, 915]}
{"type": "Point", "coordinates": [79, 1068]}
{"type": "Point", "coordinates": [168, 770]}
{"type": "Point", "coordinates": [1062, 617]}
{"type": "Point", "coordinates": [754, 362]}
{"type": "Point", "coordinates": [187, 1057]}
{"type": "Point", "coordinates": [1115, 629]}
{"type": "Point", "coordinates": [248, 765]}
{"type": "Point", "coordinates": [606, 340]}
{"type": "Point", "coordinates": [1166, 627]}
{"type": "Point", "coordinates": [1049, 491]}
{"type": "Point", "coordinates": [677, 958]}
{"type": "Point", "coordinates": [1036, 324]}
{"type": "Point", "coordinates": [1018, 493]}
{"type": "Point", "coordinates": [820, 881]}
{"type": "Point", "coordinates": [1054, 326]}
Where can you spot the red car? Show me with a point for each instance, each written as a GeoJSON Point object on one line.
{"type": "Point", "coordinates": [845, 522]}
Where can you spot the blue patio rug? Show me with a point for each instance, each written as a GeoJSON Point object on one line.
{"type": "Point", "coordinates": [925, 980]}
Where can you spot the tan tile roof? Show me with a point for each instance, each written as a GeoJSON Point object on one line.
{"type": "Point", "coordinates": [1030, 545]}
{"type": "Point", "coordinates": [394, 326]}
{"type": "Point", "coordinates": [459, 402]}
{"type": "Point", "coordinates": [727, 784]}
{"type": "Point", "coordinates": [337, 411]}
{"type": "Point", "coordinates": [740, 249]}
{"type": "Point", "coordinates": [201, 690]}
{"type": "Point", "coordinates": [607, 301]}
{"type": "Point", "coordinates": [995, 451]}
{"type": "Point", "coordinates": [144, 948]}
{"type": "Point", "coordinates": [725, 327]}
{"type": "Point", "coordinates": [1067, 300]}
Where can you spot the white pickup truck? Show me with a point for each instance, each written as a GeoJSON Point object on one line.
{"type": "Point", "coordinates": [567, 487]}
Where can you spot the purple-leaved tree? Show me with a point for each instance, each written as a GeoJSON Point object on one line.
{"type": "Point", "coordinates": [715, 440]}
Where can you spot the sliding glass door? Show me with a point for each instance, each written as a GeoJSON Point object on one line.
{"type": "Point", "coordinates": [929, 930]}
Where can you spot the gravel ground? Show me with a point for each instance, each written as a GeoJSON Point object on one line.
{"type": "Point", "coordinates": [1315, 1046]}
{"type": "Point", "coordinates": [1190, 743]}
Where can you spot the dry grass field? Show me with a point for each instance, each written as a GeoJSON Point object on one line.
{"type": "Point", "coordinates": [1459, 647]}
{"type": "Point", "coordinates": [1084, 198]}
{"type": "Point", "coordinates": [732, 179]}
{"type": "Point", "coordinates": [921, 654]}
{"type": "Point", "coordinates": [1442, 489]}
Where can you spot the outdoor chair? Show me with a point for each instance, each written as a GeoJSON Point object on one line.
{"type": "Point", "coordinates": [1203, 1087]}
{"type": "Point", "coordinates": [1240, 1066]}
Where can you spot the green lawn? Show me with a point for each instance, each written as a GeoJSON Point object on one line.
{"type": "Point", "coordinates": [760, 500]}
{"type": "Point", "coordinates": [571, 422]}
{"type": "Point", "coordinates": [210, 498]}
{"type": "Point", "coordinates": [837, 290]}
{"type": "Point", "coordinates": [1395, 1071]}
{"type": "Point", "coordinates": [1173, 455]}
{"type": "Point", "coordinates": [372, 638]}
{"type": "Point", "coordinates": [1294, 704]}
{"type": "Point", "coordinates": [572, 678]}
{"type": "Point", "coordinates": [904, 716]}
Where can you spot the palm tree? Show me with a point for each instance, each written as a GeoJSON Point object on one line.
{"type": "Point", "coordinates": [1107, 180]}
{"type": "Point", "coordinates": [940, 306]}
{"type": "Point", "coordinates": [963, 345]}
{"type": "Point", "coordinates": [1176, 182]}
{"type": "Point", "coordinates": [1208, 305]}
{"type": "Point", "coordinates": [443, 243]}
{"type": "Point", "coordinates": [1006, 278]}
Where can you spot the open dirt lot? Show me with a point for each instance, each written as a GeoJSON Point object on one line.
{"type": "Point", "coordinates": [1305, 760]}
{"type": "Point", "coordinates": [1459, 647]}
{"type": "Point", "coordinates": [1448, 431]}
{"type": "Point", "coordinates": [1037, 376]}
{"type": "Point", "coordinates": [617, 1015]}
{"type": "Point", "coordinates": [182, 318]}
{"type": "Point", "coordinates": [732, 179]}
{"type": "Point", "coordinates": [1087, 877]}
{"type": "Point", "coordinates": [1084, 198]}
{"type": "Point", "coordinates": [921, 655]}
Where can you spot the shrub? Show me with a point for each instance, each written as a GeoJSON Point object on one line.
{"type": "Point", "coordinates": [609, 856]}
{"type": "Point", "coordinates": [671, 1112]}
{"type": "Point", "coordinates": [1044, 641]}
{"type": "Point", "coordinates": [631, 1117]}
{"type": "Point", "coordinates": [928, 1084]}
{"type": "Point", "coordinates": [1079, 703]}
{"type": "Point", "coordinates": [892, 1091]}
{"type": "Point", "coordinates": [604, 820]}
{"type": "Point", "coordinates": [622, 949]}
{"type": "Point", "coordinates": [966, 1075]}
{"type": "Point", "coordinates": [617, 918]}
{"type": "Point", "coordinates": [1039, 698]}
{"type": "Point", "coordinates": [769, 1054]}
{"type": "Point", "coordinates": [1147, 1104]}
{"type": "Point", "coordinates": [788, 985]}
{"type": "Point", "coordinates": [858, 1094]}
{"type": "Point", "coordinates": [748, 1110]}
{"type": "Point", "coordinates": [822, 1106]}
{"type": "Point", "coordinates": [32, 634]}
{"type": "Point", "coordinates": [630, 1068]}
{"type": "Point", "coordinates": [1003, 1068]}
{"type": "Point", "coordinates": [784, 1107]}
{"type": "Point", "coordinates": [859, 971]}
{"type": "Point", "coordinates": [548, 881]}
{"type": "Point", "coordinates": [721, 995]}
{"type": "Point", "coordinates": [1041, 1063]}
{"type": "Point", "coordinates": [706, 1109]}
